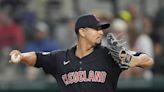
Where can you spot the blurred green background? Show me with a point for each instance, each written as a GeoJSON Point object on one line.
{"type": "Point", "coordinates": [46, 25]}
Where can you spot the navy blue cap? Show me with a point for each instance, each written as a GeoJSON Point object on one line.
{"type": "Point", "coordinates": [89, 21]}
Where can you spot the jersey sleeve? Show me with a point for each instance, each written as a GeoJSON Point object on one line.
{"type": "Point", "coordinates": [138, 53]}
{"type": "Point", "coordinates": [47, 61]}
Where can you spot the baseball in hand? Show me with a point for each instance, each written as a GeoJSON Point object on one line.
{"type": "Point", "coordinates": [15, 59]}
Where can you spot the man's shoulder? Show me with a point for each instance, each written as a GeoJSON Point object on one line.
{"type": "Point", "coordinates": [102, 49]}
{"type": "Point", "coordinates": [59, 51]}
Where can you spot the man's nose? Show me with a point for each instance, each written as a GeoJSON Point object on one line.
{"type": "Point", "coordinates": [101, 32]}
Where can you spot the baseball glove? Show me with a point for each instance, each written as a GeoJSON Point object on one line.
{"type": "Point", "coordinates": [118, 52]}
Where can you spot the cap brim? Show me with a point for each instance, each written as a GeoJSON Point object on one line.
{"type": "Point", "coordinates": [103, 25]}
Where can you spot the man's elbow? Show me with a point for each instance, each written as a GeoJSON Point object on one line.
{"type": "Point", "coordinates": [148, 62]}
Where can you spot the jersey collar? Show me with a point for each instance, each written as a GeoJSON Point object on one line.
{"type": "Point", "coordinates": [85, 58]}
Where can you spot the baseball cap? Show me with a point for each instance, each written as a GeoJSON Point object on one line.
{"type": "Point", "coordinates": [89, 21]}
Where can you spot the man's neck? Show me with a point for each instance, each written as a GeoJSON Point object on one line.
{"type": "Point", "coordinates": [83, 49]}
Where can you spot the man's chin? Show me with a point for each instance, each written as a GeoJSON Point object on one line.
{"type": "Point", "coordinates": [97, 44]}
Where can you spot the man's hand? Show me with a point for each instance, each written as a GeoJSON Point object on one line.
{"type": "Point", "coordinates": [28, 58]}
{"type": "Point", "coordinates": [15, 57]}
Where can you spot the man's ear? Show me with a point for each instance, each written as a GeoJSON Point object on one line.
{"type": "Point", "coordinates": [82, 32]}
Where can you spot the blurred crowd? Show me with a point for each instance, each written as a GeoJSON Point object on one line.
{"type": "Point", "coordinates": [21, 28]}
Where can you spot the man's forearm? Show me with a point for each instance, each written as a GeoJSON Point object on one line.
{"type": "Point", "coordinates": [142, 60]}
{"type": "Point", "coordinates": [29, 58]}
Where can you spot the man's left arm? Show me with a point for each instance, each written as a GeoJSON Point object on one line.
{"type": "Point", "coordinates": [142, 60]}
{"type": "Point", "coordinates": [126, 58]}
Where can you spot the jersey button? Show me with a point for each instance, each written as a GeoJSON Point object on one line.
{"type": "Point", "coordinates": [80, 62]}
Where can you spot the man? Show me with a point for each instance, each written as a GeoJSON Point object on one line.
{"type": "Point", "coordinates": [86, 67]}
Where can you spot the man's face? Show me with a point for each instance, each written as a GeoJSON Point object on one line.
{"type": "Point", "coordinates": [93, 36]}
